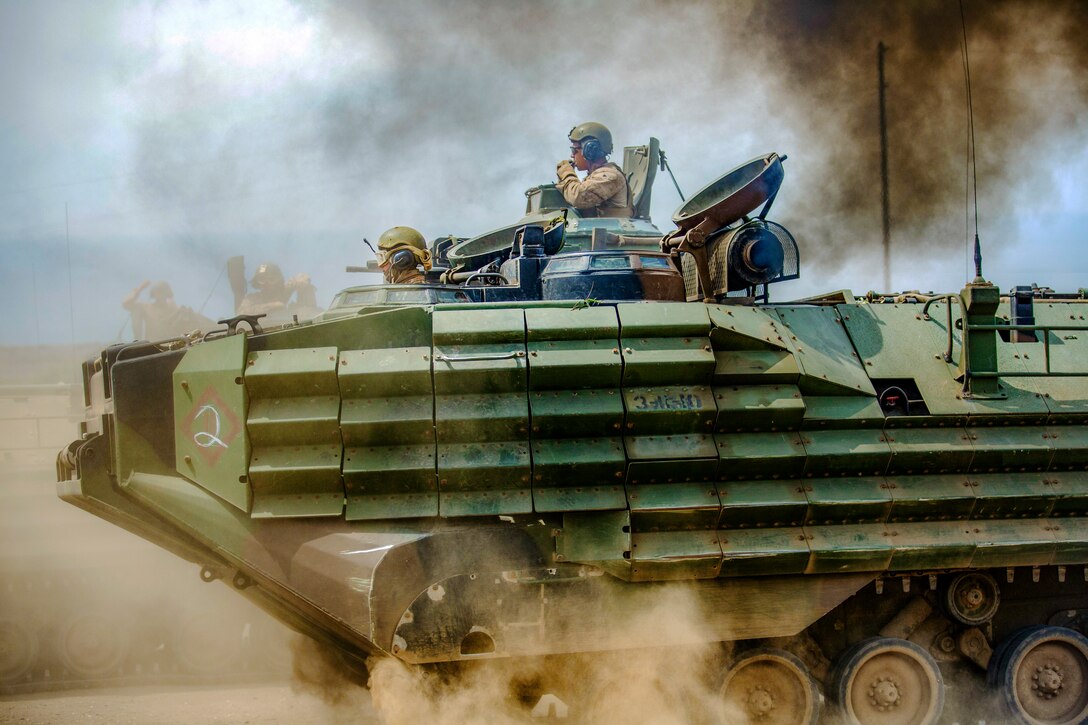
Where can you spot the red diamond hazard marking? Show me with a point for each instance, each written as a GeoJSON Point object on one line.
{"type": "Point", "coordinates": [211, 425]}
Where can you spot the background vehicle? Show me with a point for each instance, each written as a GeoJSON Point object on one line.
{"type": "Point", "coordinates": [83, 602]}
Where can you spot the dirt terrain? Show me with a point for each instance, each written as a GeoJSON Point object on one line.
{"type": "Point", "coordinates": [98, 626]}
{"type": "Point", "coordinates": [267, 704]}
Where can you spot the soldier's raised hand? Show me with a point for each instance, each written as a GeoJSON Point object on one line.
{"type": "Point", "coordinates": [564, 169]}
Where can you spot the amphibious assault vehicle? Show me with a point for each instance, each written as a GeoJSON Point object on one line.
{"type": "Point", "coordinates": [568, 428]}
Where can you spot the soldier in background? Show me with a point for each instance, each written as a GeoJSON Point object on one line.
{"type": "Point", "coordinates": [604, 192]}
{"type": "Point", "coordinates": [272, 293]}
{"type": "Point", "coordinates": [161, 318]}
{"type": "Point", "coordinates": [401, 253]}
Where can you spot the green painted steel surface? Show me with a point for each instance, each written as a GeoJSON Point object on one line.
{"type": "Point", "coordinates": [576, 409]}
{"type": "Point", "coordinates": [980, 303]}
{"type": "Point", "coordinates": [928, 450]}
{"type": "Point", "coordinates": [933, 545]}
{"type": "Point", "coordinates": [601, 537]}
{"type": "Point", "coordinates": [446, 453]}
{"type": "Point", "coordinates": [1064, 397]}
{"type": "Point", "coordinates": [664, 555]}
{"type": "Point", "coordinates": [210, 410]}
{"type": "Point", "coordinates": [760, 455]}
{"type": "Point", "coordinates": [762, 504]}
{"type": "Point", "coordinates": [930, 498]}
{"type": "Point", "coordinates": [682, 505]}
{"type": "Point", "coordinates": [482, 412]}
{"type": "Point", "coordinates": [747, 328]}
{"type": "Point", "coordinates": [678, 441]}
{"type": "Point", "coordinates": [827, 359]}
{"type": "Point", "coordinates": [764, 552]}
{"type": "Point", "coordinates": [387, 423]}
{"type": "Point", "coordinates": [294, 431]}
{"type": "Point", "coordinates": [668, 400]}
{"type": "Point", "coordinates": [758, 407]}
{"type": "Point", "coordinates": [846, 500]}
{"type": "Point", "coordinates": [1071, 491]}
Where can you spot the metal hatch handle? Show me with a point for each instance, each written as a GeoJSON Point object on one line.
{"type": "Point", "coordinates": [439, 357]}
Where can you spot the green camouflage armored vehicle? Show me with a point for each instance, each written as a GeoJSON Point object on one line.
{"type": "Point", "coordinates": [867, 496]}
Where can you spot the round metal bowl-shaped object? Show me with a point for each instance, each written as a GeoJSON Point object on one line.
{"type": "Point", "coordinates": [495, 245]}
{"type": "Point", "coordinates": [972, 598]}
{"type": "Point", "coordinates": [18, 650]}
{"type": "Point", "coordinates": [92, 645]}
{"type": "Point", "coordinates": [889, 681]}
{"type": "Point", "coordinates": [730, 197]}
{"type": "Point", "coordinates": [1041, 676]}
{"type": "Point", "coordinates": [771, 686]}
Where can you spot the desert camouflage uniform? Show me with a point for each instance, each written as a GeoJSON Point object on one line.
{"type": "Point", "coordinates": [406, 276]}
{"type": "Point", "coordinates": [604, 190]}
{"type": "Point", "coordinates": [162, 318]}
{"type": "Point", "coordinates": [277, 296]}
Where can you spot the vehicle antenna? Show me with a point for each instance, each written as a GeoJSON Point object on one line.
{"type": "Point", "coordinates": [71, 301]}
{"type": "Point", "coordinates": [665, 166]}
{"type": "Point", "coordinates": [367, 243]}
{"type": "Point", "coordinates": [34, 291]}
{"type": "Point", "coordinates": [222, 270]}
{"type": "Point", "coordinates": [884, 197]}
{"type": "Point", "coordinates": [971, 157]}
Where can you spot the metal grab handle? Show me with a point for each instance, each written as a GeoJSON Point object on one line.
{"type": "Point", "coordinates": [962, 319]}
{"type": "Point", "coordinates": [483, 356]}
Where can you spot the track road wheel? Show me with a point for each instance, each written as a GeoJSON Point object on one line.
{"type": "Point", "coordinates": [771, 686]}
{"type": "Point", "coordinates": [972, 598]}
{"type": "Point", "coordinates": [889, 681]}
{"type": "Point", "coordinates": [92, 646]}
{"type": "Point", "coordinates": [1041, 676]}
{"type": "Point", "coordinates": [18, 650]}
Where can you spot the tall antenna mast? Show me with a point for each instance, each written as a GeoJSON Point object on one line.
{"type": "Point", "coordinates": [71, 301]}
{"type": "Point", "coordinates": [973, 159]}
{"type": "Point", "coordinates": [885, 203]}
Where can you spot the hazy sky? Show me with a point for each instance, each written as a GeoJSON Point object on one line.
{"type": "Point", "coordinates": [153, 140]}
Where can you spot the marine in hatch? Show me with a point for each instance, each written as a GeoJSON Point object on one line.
{"type": "Point", "coordinates": [403, 256]}
{"type": "Point", "coordinates": [604, 191]}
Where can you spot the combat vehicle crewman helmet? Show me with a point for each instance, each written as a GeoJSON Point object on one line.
{"type": "Point", "coordinates": [403, 238]}
{"type": "Point", "coordinates": [268, 276]}
{"type": "Point", "coordinates": [595, 140]}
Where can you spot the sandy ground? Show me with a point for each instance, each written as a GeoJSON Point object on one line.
{"type": "Point", "coordinates": [228, 705]}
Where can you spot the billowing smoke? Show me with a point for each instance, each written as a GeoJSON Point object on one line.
{"type": "Point", "coordinates": [179, 134]}
{"type": "Point", "coordinates": [1027, 62]}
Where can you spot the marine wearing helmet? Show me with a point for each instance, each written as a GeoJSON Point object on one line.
{"type": "Point", "coordinates": [268, 277]}
{"type": "Point", "coordinates": [604, 191]}
{"type": "Point", "coordinates": [273, 293]}
{"type": "Point", "coordinates": [401, 253]}
{"type": "Point", "coordinates": [161, 318]}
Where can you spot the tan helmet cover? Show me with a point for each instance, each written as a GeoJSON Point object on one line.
{"type": "Point", "coordinates": [595, 130]}
{"type": "Point", "coordinates": [268, 274]}
{"type": "Point", "coordinates": [408, 238]}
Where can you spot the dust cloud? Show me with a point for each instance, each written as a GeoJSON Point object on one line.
{"type": "Point", "coordinates": [319, 671]}
{"type": "Point", "coordinates": [84, 603]}
{"type": "Point", "coordinates": [638, 681]}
